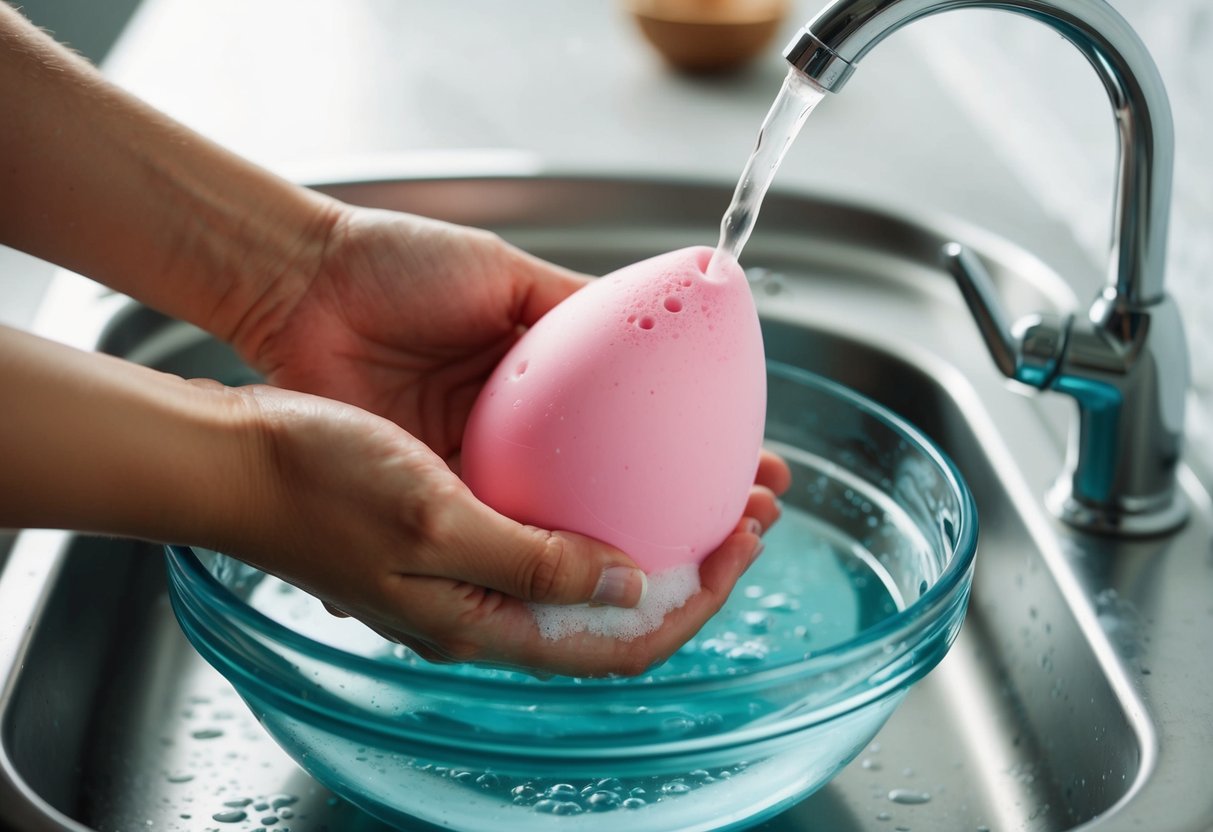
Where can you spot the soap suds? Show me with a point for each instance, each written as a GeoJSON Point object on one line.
{"type": "Point", "coordinates": [668, 590]}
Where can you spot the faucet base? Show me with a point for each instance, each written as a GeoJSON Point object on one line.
{"type": "Point", "coordinates": [1128, 518]}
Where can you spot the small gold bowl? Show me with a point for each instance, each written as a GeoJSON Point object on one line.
{"type": "Point", "coordinates": [708, 36]}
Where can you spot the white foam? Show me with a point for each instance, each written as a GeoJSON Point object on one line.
{"type": "Point", "coordinates": [668, 590]}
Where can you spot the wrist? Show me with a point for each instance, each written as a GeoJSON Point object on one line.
{"type": "Point", "coordinates": [96, 444]}
{"type": "Point", "coordinates": [266, 256]}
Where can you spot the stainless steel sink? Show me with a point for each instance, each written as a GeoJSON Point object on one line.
{"type": "Point", "coordinates": [1076, 696]}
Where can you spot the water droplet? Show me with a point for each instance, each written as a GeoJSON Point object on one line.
{"type": "Point", "coordinates": [780, 602]}
{"type": "Point", "coordinates": [602, 801]}
{"type": "Point", "coordinates": [558, 807]}
{"type": "Point", "coordinates": [207, 734]}
{"type": "Point", "coordinates": [488, 781]}
{"type": "Point", "coordinates": [633, 803]}
{"type": "Point", "coordinates": [179, 778]}
{"type": "Point", "coordinates": [677, 786]}
{"type": "Point", "coordinates": [909, 797]}
{"type": "Point", "coordinates": [230, 816]}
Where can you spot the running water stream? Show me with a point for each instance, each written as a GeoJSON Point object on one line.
{"type": "Point", "coordinates": [796, 99]}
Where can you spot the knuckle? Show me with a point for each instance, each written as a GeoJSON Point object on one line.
{"type": "Point", "coordinates": [544, 574]}
{"type": "Point", "coordinates": [436, 519]}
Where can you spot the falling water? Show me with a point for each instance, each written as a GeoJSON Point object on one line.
{"type": "Point", "coordinates": [797, 98]}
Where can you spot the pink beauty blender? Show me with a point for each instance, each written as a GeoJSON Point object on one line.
{"type": "Point", "coordinates": [632, 412]}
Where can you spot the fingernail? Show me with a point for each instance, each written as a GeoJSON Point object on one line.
{"type": "Point", "coordinates": [753, 526]}
{"type": "Point", "coordinates": [621, 586]}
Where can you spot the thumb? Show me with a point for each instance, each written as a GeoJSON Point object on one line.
{"type": "Point", "coordinates": [546, 567]}
{"type": "Point", "coordinates": [542, 285]}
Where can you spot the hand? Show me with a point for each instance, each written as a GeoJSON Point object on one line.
{"type": "Point", "coordinates": [367, 518]}
{"type": "Point", "coordinates": [405, 317]}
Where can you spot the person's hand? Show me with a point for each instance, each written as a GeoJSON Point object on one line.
{"type": "Point", "coordinates": [364, 516]}
{"type": "Point", "coordinates": [405, 317]}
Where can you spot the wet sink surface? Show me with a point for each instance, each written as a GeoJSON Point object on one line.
{"type": "Point", "coordinates": [1074, 695]}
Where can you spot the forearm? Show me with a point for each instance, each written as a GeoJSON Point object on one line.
{"type": "Point", "coordinates": [92, 443]}
{"type": "Point", "coordinates": [97, 181]}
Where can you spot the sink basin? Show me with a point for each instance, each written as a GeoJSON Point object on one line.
{"type": "Point", "coordinates": [1075, 696]}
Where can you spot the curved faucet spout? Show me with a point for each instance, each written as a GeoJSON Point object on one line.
{"type": "Point", "coordinates": [832, 43]}
{"type": "Point", "coordinates": [1126, 362]}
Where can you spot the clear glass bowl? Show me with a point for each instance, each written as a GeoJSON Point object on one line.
{"type": "Point", "coordinates": [860, 592]}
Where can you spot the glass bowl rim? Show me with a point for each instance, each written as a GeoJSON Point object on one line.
{"type": "Point", "coordinates": [186, 562]}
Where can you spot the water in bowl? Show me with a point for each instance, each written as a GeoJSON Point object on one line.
{"type": "Point", "coordinates": [812, 589]}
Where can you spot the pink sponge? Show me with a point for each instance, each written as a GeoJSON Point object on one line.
{"type": "Point", "coordinates": [632, 412]}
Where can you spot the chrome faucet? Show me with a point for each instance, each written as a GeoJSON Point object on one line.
{"type": "Point", "coordinates": [1126, 362]}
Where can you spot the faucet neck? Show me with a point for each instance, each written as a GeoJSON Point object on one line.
{"type": "Point", "coordinates": [832, 43]}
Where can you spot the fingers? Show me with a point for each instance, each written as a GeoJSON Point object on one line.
{"type": "Point", "coordinates": [586, 654]}
{"type": "Point", "coordinates": [773, 472]}
{"type": "Point", "coordinates": [542, 566]}
{"type": "Point", "coordinates": [763, 507]}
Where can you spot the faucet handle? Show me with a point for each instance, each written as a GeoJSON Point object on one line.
{"type": "Point", "coordinates": [1120, 469]}
{"type": "Point", "coordinates": [1030, 351]}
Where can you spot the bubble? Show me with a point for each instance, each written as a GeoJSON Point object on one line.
{"type": "Point", "coordinates": [561, 791]}
{"type": "Point", "coordinates": [602, 801]}
{"type": "Point", "coordinates": [558, 807]}
{"type": "Point", "coordinates": [673, 304]}
{"type": "Point", "coordinates": [780, 602]}
{"type": "Point", "coordinates": [758, 622]}
{"type": "Point", "coordinates": [668, 590]}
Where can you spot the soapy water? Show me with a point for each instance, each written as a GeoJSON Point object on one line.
{"type": "Point", "coordinates": [812, 588]}
{"type": "Point", "coordinates": [796, 99]}
{"type": "Point", "coordinates": [667, 590]}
